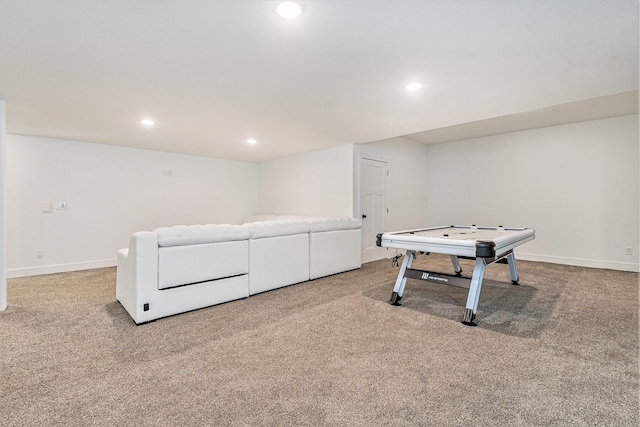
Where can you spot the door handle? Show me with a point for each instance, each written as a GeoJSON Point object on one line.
{"type": "Point", "coordinates": [364, 216]}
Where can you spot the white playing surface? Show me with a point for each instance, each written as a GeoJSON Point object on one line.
{"type": "Point", "coordinates": [463, 233]}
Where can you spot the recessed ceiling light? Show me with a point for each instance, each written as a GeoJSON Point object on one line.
{"type": "Point", "coordinates": [290, 9]}
{"type": "Point", "coordinates": [411, 86]}
{"type": "Point", "coordinates": [147, 122]}
{"type": "Point", "coordinates": [251, 141]}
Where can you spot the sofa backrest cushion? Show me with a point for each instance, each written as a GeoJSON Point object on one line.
{"type": "Point", "coordinates": [320, 223]}
{"type": "Point", "coordinates": [258, 218]}
{"type": "Point", "coordinates": [266, 229]}
{"type": "Point", "coordinates": [180, 235]}
{"type": "Point", "coordinates": [316, 223]}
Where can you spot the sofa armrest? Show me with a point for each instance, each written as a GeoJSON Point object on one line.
{"type": "Point", "coordinates": [137, 272]}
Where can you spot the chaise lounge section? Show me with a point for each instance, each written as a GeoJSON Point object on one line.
{"type": "Point", "coordinates": [182, 268]}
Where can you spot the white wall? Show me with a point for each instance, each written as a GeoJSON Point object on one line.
{"type": "Point", "coordinates": [110, 193]}
{"type": "Point", "coordinates": [408, 179]}
{"type": "Point", "coordinates": [576, 185]}
{"type": "Point", "coordinates": [315, 183]}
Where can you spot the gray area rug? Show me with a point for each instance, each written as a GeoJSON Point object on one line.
{"type": "Point", "coordinates": [560, 349]}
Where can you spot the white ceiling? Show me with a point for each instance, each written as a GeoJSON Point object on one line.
{"type": "Point", "coordinates": [214, 73]}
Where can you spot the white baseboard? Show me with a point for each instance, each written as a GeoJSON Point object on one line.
{"type": "Point", "coordinates": [60, 268]}
{"type": "Point", "coordinates": [581, 262]}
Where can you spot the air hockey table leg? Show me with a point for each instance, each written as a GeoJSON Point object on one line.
{"type": "Point", "coordinates": [456, 265]}
{"type": "Point", "coordinates": [474, 293]}
{"type": "Point", "coordinates": [513, 269]}
{"type": "Point", "coordinates": [401, 281]}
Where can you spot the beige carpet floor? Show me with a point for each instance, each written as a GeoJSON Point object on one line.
{"type": "Point", "coordinates": [561, 349]}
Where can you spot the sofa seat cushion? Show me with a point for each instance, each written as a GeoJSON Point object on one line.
{"type": "Point", "coordinates": [266, 229]}
{"type": "Point", "coordinates": [180, 235]}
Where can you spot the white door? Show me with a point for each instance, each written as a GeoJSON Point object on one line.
{"type": "Point", "coordinates": [374, 206]}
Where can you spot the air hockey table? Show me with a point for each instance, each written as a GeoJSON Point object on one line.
{"type": "Point", "coordinates": [485, 245]}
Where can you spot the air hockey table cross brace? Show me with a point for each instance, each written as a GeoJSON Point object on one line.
{"type": "Point", "coordinates": [485, 245]}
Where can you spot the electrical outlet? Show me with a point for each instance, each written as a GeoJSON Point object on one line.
{"type": "Point", "coordinates": [629, 251]}
{"type": "Point", "coordinates": [39, 253]}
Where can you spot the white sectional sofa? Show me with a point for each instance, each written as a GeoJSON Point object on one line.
{"type": "Point", "coordinates": [176, 269]}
